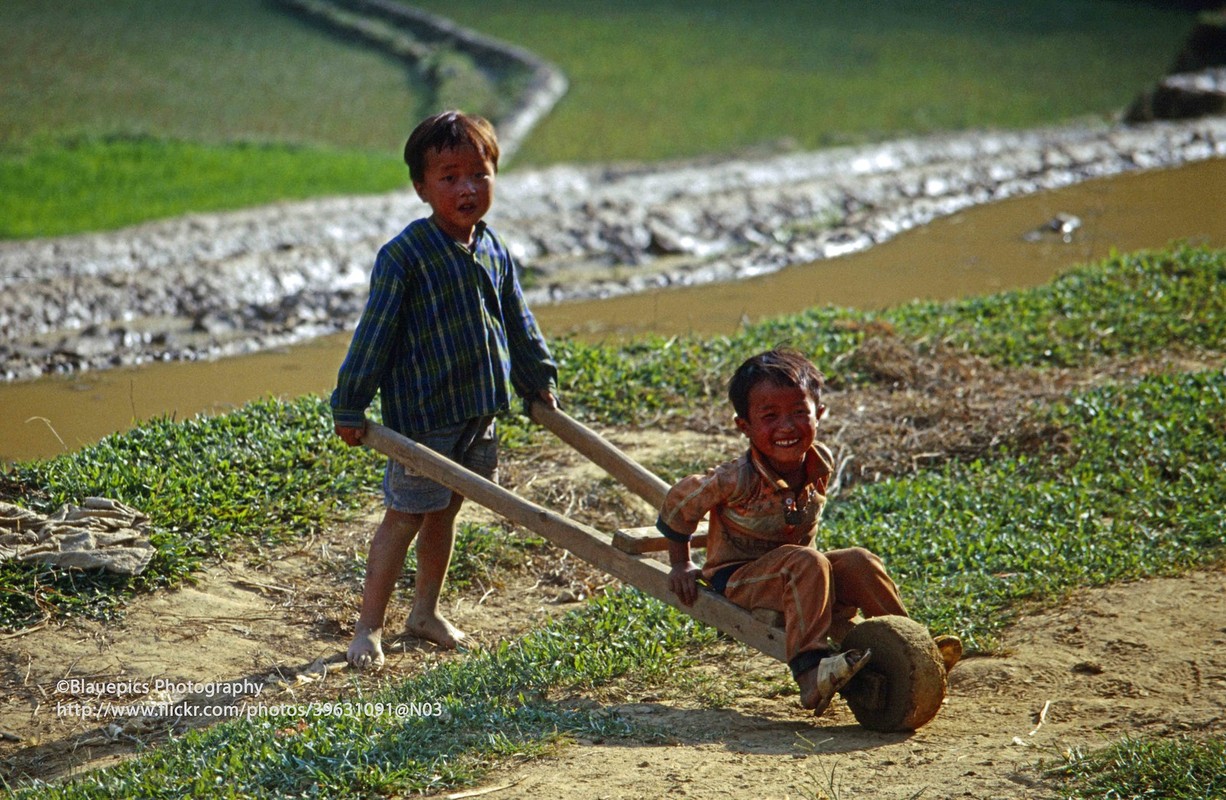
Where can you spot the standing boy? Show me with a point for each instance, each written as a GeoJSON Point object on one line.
{"type": "Point", "coordinates": [764, 511]}
{"type": "Point", "coordinates": [447, 340]}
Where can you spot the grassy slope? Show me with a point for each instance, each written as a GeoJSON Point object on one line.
{"type": "Point", "coordinates": [649, 80]}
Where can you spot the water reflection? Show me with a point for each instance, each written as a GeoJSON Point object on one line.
{"type": "Point", "coordinates": [978, 251]}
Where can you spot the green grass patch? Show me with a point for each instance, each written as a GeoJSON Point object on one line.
{"type": "Point", "coordinates": [966, 545]}
{"type": "Point", "coordinates": [205, 72]}
{"type": "Point", "coordinates": [1134, 768]}
{"type": "Point", "coordinates": [1132, 499]}
{"type": "Point", "coordinates": [1126, 305]}
{"type": "Point", "coordinates": [100, 183]}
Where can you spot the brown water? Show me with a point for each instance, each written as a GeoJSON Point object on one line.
{"type": "Point", "coordinates": [978, 251]}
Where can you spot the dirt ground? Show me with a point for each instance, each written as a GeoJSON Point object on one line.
{"type": "Point", "coordinates": [1143, 658]}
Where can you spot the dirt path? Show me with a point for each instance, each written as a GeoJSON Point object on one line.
{"type": "Point", "coordinates": [265, 627]}
{"type": "Point", "coordinates": [1139, 659]}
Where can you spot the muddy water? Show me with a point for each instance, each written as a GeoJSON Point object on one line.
{"type": "Point", "coordinates": [977, 251]}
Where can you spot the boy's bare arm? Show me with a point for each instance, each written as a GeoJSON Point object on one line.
{"type": "Point", "coordinates": [683, 577]}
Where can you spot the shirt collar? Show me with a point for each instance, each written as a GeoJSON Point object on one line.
{"type": "Point", "coordinates": [816, 469]}
{"type": "Point", "coordinates": [478, 232]}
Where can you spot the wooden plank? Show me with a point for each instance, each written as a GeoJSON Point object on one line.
{"type": "Point", "coordinates": [601, 452]}
{"type": "Point", "coordinates": [593, 546]}
{"type": "Point", "coordinates": [650, 540]}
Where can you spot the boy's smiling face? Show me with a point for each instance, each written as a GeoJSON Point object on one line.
{"type": "Point", "coordinates": [459, 186]}
{"type": "Point", "coordinates": [782, 425]}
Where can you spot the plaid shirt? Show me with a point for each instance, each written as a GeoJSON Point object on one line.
{"type": "Point", "coordinates": [445, 337]}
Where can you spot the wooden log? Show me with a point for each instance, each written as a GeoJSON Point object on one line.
{"type": "Point", "coordinates": [601, 452]}
{"type": "Point", "coordinates": [593, 546]}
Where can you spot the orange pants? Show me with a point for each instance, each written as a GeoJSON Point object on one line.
{"type": "Point", "coordinates": [814, 589]}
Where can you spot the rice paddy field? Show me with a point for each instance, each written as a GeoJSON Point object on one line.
{"type": "Point", "coordinates": [116, 111]}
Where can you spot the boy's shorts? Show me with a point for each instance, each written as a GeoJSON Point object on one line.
{"type": "Point", "coordinates": [472, 444]}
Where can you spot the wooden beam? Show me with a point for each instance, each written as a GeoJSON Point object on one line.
{"type": "Point", "coordinates": [601, 452]}
{"type": "Point", "coordinates": [593, 546]}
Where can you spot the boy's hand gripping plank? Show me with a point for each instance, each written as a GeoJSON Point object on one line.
{"type": "Point", "coordinates": [593, 546]}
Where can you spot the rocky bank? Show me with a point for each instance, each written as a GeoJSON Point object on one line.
{"type": "Point", "coordinates": [206, 285]}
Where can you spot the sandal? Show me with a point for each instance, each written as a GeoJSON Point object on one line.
{"type": "Point", "coordinates": [819, 685]}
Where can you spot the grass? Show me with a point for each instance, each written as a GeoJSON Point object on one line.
{"type": "Point", "coordinates": [209, 73]}
{"type": "Point", "coordinates": [974, 543]}
{"type": "Point", "coordinates": [1181, 768]}
{"type": "Point", "coordinates": [685, 78]}
{"type": "Point", "coordinates": [970, 543]}
{"type": "Point", "coordinates": [1129, 304]}
{"type": "Point", "coordinates": [71, 185]}
{"type": "Point", "coordinates": [510, 700]}
{"type": "Point", "coordinates": [121, 111]}
{"type": "Point", "coordinates": [268, 472]}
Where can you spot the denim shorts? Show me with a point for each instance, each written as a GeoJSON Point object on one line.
{"type": "Point", "coordinates": [472, 444]}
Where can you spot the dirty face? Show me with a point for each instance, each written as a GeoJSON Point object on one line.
{"type": "Point", "coordinates": [459, 186]}
{"type": "Point", "coordinates": [782, 425]}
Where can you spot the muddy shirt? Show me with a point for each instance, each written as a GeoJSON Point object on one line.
{"type": "Point", "coordinates": [752, 510]}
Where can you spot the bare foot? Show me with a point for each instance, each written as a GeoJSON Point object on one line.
{"type": "Point", "coordinates": [818, 685]}
{"type": "Point", "coordinates": [434, 628]}
{"type": "Point", "coordinates": [366, 649]}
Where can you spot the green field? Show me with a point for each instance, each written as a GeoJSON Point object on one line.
{"type": "Point", "coordinates": [116, 111]}
{"type": "Point", "coordinates": [668, 79]}
{"type": "Point", "coordinates": [209, 73]}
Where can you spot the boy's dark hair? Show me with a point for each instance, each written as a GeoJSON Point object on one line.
{"type": "Point", "coordinates": [782, 366]}
{"type": "Point", "coordinates": [447, 130]}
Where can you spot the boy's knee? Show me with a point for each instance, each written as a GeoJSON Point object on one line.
{"type": "Point", "coordinates": [401, 523]}
{"type": "Point", "coordinates": [862, 558]}
{"type": "Point", "coordinates": [806, 558]}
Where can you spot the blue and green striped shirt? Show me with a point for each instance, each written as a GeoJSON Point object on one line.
{"type": "Point", "coordinates": [445, 336]}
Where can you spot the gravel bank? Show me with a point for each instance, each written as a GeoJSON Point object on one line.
{"type": "Point", "coordinates": [217, 284]}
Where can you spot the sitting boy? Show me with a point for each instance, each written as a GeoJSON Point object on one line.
{"type": "Point", "coordinates": [447, 340]}
{"type": "Point", "coordinates": [764, 511]}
